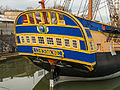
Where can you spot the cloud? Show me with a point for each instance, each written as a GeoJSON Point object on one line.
{"type": "Point", "coordinates": [19, 4]}
{"type": "Point", "coordinates": [23, 4]}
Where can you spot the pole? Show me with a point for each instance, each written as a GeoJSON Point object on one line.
{"type": "Point", "coordinates": [117, 7]}
{"type": "Point", "coordinates": [42, 4]}
{"type": "Point", "coordinates": [90, 10]}
{"type": "Point", "coordinates": [44, 13]}
{"type": "Point", "coordinates": [116, 13]}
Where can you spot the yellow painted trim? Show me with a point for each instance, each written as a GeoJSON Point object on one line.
{"type": "Point", "coordinates": [54, 46]}
{"type": "Point", "coordinates": [60, 25]}
{"type": "Point", "coordinates": [28, 18]}
{"type": "Point", "coordinates": [51, 46]}
{"type": "Point", "coordinates": [70, 60]}
{"type": "Point", "coordinates": [41, 15]}
{"type": "Point", "coordinates": [37, 50]}
{"type": "Point", "coordinates": [86, 27]}
{"type": "Point", "coordinates": [35, 22]}
{"type": "Point", "coordinates": [49, 16]}
{"type": "Point", "coordinates": [57, 15]}
{"type": "Point", "coordinates": [89, 68]}
{"type": "Point", "coordinates": [82, 29]}
{"type": "Point", "coordinates": [27, 58]}
{"type": "Point", "coordinates": [49, 35]}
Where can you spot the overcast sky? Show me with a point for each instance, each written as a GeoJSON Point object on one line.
{"type": "Point", "coordinates": [23, 4]}
{"type": "Point", "coordinates": [19, 4]}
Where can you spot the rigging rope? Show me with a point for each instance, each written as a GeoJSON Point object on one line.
{"type": "Point", "coordinates": [46, 1]}
{"type": "Point", "coordinates": [100, 15]}
{"type": "Point", "coordinates": [71, 5]}
{"type": "Point", "coordinates": [54, 3]}
{"type": "Point", "coordinates": [107, 14]}
{"type": "Point", "coordinates": [96, 9]}
{"type": "Point", "coordinates": [85, 6]}
{"type": "Point", "coordinates": [80, 7]}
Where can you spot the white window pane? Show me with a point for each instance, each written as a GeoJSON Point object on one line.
{"type": "Point", "coordinates": [74, 43]}
{"type": "Point", "coordinates": [33, 39]}
{"type": "Point", "coordinates": [22, 39]}
{"type": "Point", "coordinates": [58, 42]}
{"type": "Point", "coordinates": [41, 40]}
{"type": "Point", "coordinates": [28, 39]}
{"type": "Point", "coordinates": [50, 41]}
{"type": "Point", "coordinates": [67, 42]}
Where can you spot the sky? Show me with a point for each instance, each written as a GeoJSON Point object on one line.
{"type": "Point", "coordinates": [19, 4]}
{"type": "Point", "coordinates": [23, 4]}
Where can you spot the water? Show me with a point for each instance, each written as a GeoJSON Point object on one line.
{"type": "Point", "coordinates": [21, 74]}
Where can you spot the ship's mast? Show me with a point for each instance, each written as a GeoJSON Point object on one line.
{"type": "Point", "coordinates": [117, 7]}
{"type": "Point", "coordinates": [90, 10]}
{"type": "Point", "coordinates": [116, 12]}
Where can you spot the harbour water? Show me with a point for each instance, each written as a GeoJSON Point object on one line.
{"type": "Point", "coordinates": [21, 74]}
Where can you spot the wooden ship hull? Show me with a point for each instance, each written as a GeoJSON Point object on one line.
{"type": "Point", "coordinates": [67, 44]}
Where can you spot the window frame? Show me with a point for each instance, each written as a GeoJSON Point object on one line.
{"type": "Point", "coordinates": [27, 39]}
{"type": "Point", "coordinates": [91, 45]}
{"type": "Point", "coordinates": [35, 40]}
{"type": "Point", "coordinates": [76, 43]}
{"type": "Point", "coordinates": [61, 42]}
{"type": "Point", "coordinates": [21, 39]}
{"type": "Point", "coordinates": [69, 43]}
{"type": "Point", "coordinates": [47, 40]}
{"type": "Point", "coordinates": [43, 39]}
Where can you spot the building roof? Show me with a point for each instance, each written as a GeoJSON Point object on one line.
{"type": "Point", "coordinates": [2, 19]}
{"type": "Point", "coordinates": [13, 11]}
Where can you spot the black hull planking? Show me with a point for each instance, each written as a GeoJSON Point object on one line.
{"type": "Point", "coordinates": [106, 64]}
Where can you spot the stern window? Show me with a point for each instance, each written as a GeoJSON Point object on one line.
{"type": "Point", "coordinates": [67, 42]}
{"type": "Point", "coordinates": [50, 41]}
{"type": "Point", "coordinates": [33, 39]}
{"type": "Point", "coordinates": [74, 42]}
{"type": "Point", "coordinates": [38, 17]}
{"type": "Point", "coordinates": [53, 18]}
{"type": "Point", "coordinates": [31, 18]}
{"type": "Point", "coordinates": [28, 39]}
{"type": "Point", "coordinates": [25, 18]}
{"type": "Point", "coordinates": [58, 42]}
{"type": "Point", "coordinates": [41, 40]}
{"type": "Point", "coordinates": [22, 39]}
{"type": "Point", "coordinates": [91, 46]}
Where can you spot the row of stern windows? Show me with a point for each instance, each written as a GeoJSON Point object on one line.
{"type": "Point", "coordinates": [55, 41]}
{"type": "Point", "coordinates": [36, 17]}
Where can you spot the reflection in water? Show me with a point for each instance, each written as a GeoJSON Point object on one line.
{"type": "Point", "coordinates": [112, 84]}
{"type": "Point", "coordinates": [43, 84]}
{"type": "Point", "coordinates": [20, 74]}
{"type": "Point", "coordinates": [17, 68]}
